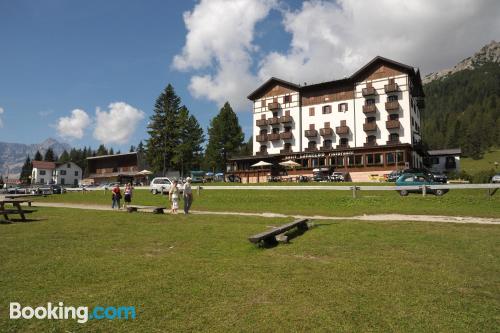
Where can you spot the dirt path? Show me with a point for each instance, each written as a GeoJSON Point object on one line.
{"type": "Point", "coordinates": [377, 217]}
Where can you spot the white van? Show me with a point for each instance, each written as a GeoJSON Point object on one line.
{"type": "Point", "coordinates": [162, 185]}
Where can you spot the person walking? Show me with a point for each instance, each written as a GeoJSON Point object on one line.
{"type": "Point", "coordinates": [173, 196]}
{"type": "Point", "coordinates": [116, 196]}
{"type": "Point", "coordinates": [187, 195]}
{"type": "Point", "coordinates": [127, 195]}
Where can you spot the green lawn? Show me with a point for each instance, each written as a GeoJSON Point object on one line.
{"type": "Point", "coordinates": [316, 202]}
{"type": "Point", "coordinates": [199, 273]}
{"type": "Point", "coordinates": [486, 163]}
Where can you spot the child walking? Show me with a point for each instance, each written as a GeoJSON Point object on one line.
{"type": "Point", "coordinates": [173, 196]}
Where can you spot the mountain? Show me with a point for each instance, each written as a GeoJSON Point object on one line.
{"type": "Point", "coordinates": [489, 53]}
{"type": "Point", "coordinates": [13, 155]}
{"type": "Point", "coordinates": [463, 104]}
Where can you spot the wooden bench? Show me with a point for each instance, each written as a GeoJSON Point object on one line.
{"type": "Point", "coordinates": [155, 210]}
{"type": "Point", "coordinates": [15, 210]}
{"type": "Point", "coordinates": [269, 237]}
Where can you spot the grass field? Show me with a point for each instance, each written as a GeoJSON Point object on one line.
{"type": "Point", "coordinates": [199, 273]}
{"type": "Point", "coordinates": [486, 163]}
{"type": "Point", "coordinates": [316, 202]}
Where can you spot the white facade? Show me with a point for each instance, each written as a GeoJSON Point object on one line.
{"type": "Point", "coordinates": [41, 176]}
{"type": "Point", "coordinates": [67, 174]}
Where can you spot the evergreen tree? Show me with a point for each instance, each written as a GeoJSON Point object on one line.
{"type": "Point", "coordinates": [101, 151]}
{"type": "Point", "coordinates": [26, 171]}
{"type": "Point", "coordinates": [225, 138]}
{"type": "Point", "coordinates": [111, 151]}
{"type": "Point", "coordinates": [163, 131]}
{"type": "Point", "coordinates": [50, 156]}
{"type": "Point", "coordinates": [1, 181]}
{"type": "Point", "coordinates": [132, 149]}
{"type": "Point", "coordinates": [64, 157]}
{"type": "Point", "coordinates": [140, 148]}
{"type": "Point", "coordinates": [38, 156]}
{"type": "Point", "coordinates": [247, 147]}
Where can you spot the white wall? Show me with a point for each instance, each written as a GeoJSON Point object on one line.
{"type": "Point", "coordinates": [38, 178]}
{"type": "Point", "coordinates": [70, 178]}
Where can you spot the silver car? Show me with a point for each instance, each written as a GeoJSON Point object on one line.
{"type": "Point", "coordinates": [162, 185]}
{"type": "Point", "coordinates": [496, 178]}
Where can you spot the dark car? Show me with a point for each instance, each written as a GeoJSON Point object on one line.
{"type": "Point", "coordinates": [436, 177]}
{"type": "Point", "coordinates": [394, 175]}
{"type": "Point", "coordinates": [417, 179]}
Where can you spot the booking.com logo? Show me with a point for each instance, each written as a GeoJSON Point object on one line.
{"type": "Point", "coordinates": [82, 314]}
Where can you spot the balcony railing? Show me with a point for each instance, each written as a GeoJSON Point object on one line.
{"type": "Point", "coordinates": [393, 142]}
{"type": "Point", "coordinates": [372, 126]}
{"type": "Point", "coordinates": [371, 108]}
{"type": "Point", "coordinates": [342, 130]}
{"type": "Point", "coordinates": [311, 133]}
{"type": "Point", "coordinates": [391, 87]}
{"type": "Point", "coordinates": [286, 135]}
{"type": "Point", "coordinates": [286, 151]}
{"type": "Point", "coordinates": [286, 119]}
{"type": "Point", "coordinates": [273, 121]}
{"type": "Point", "coordinates": [326, 148]}
{"type": "Point", "coordinates": [273, 136]}
{"type": "Point", "coordinates": [261, 153]}
{"type": "Point", "coordinates": [273, 106]}
{"type": "Point", "coordinates": [326, 131]}
{"type": "Point", "coordinates": [311, 149]}
{"type": "Point", "coordinates": [261, 138]}
{"type": "Point", "coordinates": [390, 124]}
{"type": "Point", "coordinates": [392, 105]}
{"type": "Point", "coordinates": [261, 122]}
{"type": "Point", "coordinates": [370, 144]}
{"type": "Point", "coordinates": [342, 146]}
{"type": "Point", "coordinates": [369, 91]}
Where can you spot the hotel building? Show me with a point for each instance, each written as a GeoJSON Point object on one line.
{"type": "Point", "coordinates": [365, 124]}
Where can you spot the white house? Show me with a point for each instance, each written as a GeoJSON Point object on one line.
{"type": "Point", "coordinates": [67, 174]}
{"type": "Point", "coordinates": [445, 160]}
{"type": "Point", "coordinates": [42, 172]}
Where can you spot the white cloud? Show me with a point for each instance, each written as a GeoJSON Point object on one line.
{"type": "Point", "coordinates": [329, 40]}
{"type": "Point", "coordinates": [1, 112]}
{"type": "Point", "coordinates": [74, 125]}
{"type": "Point", "coordinates": [220, 38]}
{"type": "Point", "coordinates": [118, 124]}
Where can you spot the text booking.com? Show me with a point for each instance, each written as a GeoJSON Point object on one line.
{"type": "Point", "coordinates": [81, 314]}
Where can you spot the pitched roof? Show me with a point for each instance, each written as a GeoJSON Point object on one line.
{"type": "Point", "coordinates": [44, 165]}
{"type": "Point", "coordinates": [455, 151]}
{"type": "Point", "coordinates": [106, 156]}
{"type": "Point", "coordinates": [269, 83]}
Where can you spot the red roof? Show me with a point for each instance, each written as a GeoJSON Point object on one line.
{"type": "Point", "coordinates": [44, 165]}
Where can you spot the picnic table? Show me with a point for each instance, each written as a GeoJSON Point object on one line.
{"type": "Point", "coordinates": [16, 210]}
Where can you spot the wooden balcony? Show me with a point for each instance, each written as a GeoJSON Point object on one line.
{"type": "Point", "coordinates": [273, 121]}
{"type": "Point", "coordinates": [391, 124]}
{"type": "Point", "coordinates": [286, 135]}
{"type": "Point", "coordinates": [370, 144]}
{"type": "Point", "coordinates": [261, 138]}
{"type": "Point", "coordinates": [370, 91]}
{"type": "Point", "coordinates": [369, 108]}
{"type": "Point", "coordinates": [391, 87]}
{"type": "Point", "coordinates": [273, 106]}
{"type": "Point", "coordinates": [342, 130]}
{"type": "Point", "coordinates": [372, 126]}
{"type": "Point", "coordinates": [286, 151]}
{"type": "Point", "coordinates": [326, 131]}
{"type": "Point", "coordinates": [311, 133]}
{"type": "Point", "coordinates": [273, 136]}
{"type": "Point", "coordinates": [326, 148]}
{"type": "Point", "coordinates": [286, 119]}
{"type": "Point", "coordinates": [393, 142]}
{"type": "Point", "coordinates": [261, 122]}
{"type": "Point", "coordinates": [261, 153]}
{"type": "Point", "coordinates": [310, 149]}
{"type": "Point", "coordinates": [392, 106]}
{"type": "Point", "coordinates": [343, 146]}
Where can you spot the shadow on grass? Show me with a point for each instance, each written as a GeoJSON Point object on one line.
{"type": "Point", "coordinates": [11, 221]}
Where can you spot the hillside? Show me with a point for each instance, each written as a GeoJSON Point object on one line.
{"type": "Point", "coordinates": [463, 107]}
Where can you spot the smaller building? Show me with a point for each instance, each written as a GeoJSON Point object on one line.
{"type": "Point", "coordinates": [444, 161]}
{"type": "Point", "coordinates": [121, 168]}
{"type": "Point", "coordinates": [42, 172]}
{"type": "Point", "coordinates": [67, 174]}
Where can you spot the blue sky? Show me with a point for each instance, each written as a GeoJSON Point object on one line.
{"type": "Point", "coordinates": [57, 56]}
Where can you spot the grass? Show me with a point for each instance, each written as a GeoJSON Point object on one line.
{"type": "Point", "coordinates": [316, 202]}
{"type": "Point", "coordinates": [199, 273]}
{"type": "Point", "coordinates": [472, 166]}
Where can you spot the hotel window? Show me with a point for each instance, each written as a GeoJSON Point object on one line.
{"type": "Point", "coordinates": [275, 114]}
{"type": "Point", "coordinates": [394, 116]}
{"type": "Point", "coordinates": [263, 103]}
{"type": "Point", "coordinates": [288, 129]}
{"type": "Point", "coordinates": [311, 145]}
{"type": "Point", "coordinates": [288, 146]}
{"type": "Point", "coordinates": [373, 159]}
{"type": "Point", "coordinates": [370, 101]}
{"type": "Point", "coordinates": [342, 107]}
{"type": "Point", "coordinates": [263, 149]}
{"type": "Point", "coordinates": [327, 109]}
{"type": "Point", "coordinates": [311, 112]}
{"type": "Point", "coordinates": [327, 124]}
{"type": "Point", "coordinates": [390, 158]}
{"type": "Point", "coordinates": [287, 112]}
{"type": "Point", "coordinates": [311, 126]}
{"type": "Point", "coordinates": [344, 142]}
{"type": "Point", "coordinates": [371, 120]}
{"type": "Point", "coordinates": [327, 144]}
{"type": "Point", "coordinates": [338, 161]}
{"type": "Point", "coordinates": [276, 130]}
{"type": "Point", "coordinates": [263, 116]}
{"type": "Point", "coordinates": [355, 160]}
{"type": "Point", "coordinates": [263, 131]}
{"type": "Point", "coordinates": [394, 137]}
{"type": "Point", "coordinates": [287, 99]}
{"type": "Point", "coordinates": [371, 139]}
{"type": "Point", "coordinates": [391, 81]}
{"type": "Point", "coordinates": [392, 98]}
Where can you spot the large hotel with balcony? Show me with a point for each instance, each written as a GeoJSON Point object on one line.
{"type": "Point", "coordinates": [364, 125]}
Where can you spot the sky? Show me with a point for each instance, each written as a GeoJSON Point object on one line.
{"type": "Point", "coordinates": [88, 72]}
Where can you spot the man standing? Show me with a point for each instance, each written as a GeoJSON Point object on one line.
{"type": "Point", "coordinates": [188, 195]}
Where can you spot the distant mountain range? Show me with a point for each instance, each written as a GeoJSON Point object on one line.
{"type": "Point", "coordinates": [489, 53]}
{"type": "Point", "coordinates": [13, 155]}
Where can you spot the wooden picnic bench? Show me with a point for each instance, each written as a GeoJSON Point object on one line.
{"type": "Point", "coordinates": [155, 210]}
{"type": "Point", "coordinates": [269, 237]}
{"type": "Point", "coordinates": [16, 210]}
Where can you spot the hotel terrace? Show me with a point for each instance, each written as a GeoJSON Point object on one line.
{"type": "Point", "coordinates": [365, 124]}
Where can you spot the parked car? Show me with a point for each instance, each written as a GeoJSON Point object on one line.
{"type": "Point", "coordinates": [109, 186]}
{"type": "Point", "coordinates": [437, 177]}
{"type": "Point", "coordinates": [321, 174]}
{"type": "Point", "coordinates": [162, 185]}
{"type": "Point", "coordinates": [417, 179]}
{"type": "Point", "coordinates": [337, 177]}
{"type": "Point", "coordinates": [496, 178]}
{"type": "Point", "coordinates": [394, 175]}
{"type": "Point", "coordinates": [234, 179]}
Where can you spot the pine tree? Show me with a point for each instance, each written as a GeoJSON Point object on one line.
{"type": "Point", "coordinates": [111, 151]}
{"type": "Point", "coordinates": [64, 157]}
{"type": "Point", "coordinates": [26, 171]}
{"type": "Point", "coordinates": [50, 156]}
{"type": "Point", "coordinates": [38, 156]}
{"type": "Point", "coordinates": [1, 181]}
{"type": "Point", "coordinates": [132, 149]}
{"type": "Point", "coordinates": [163, 131]}
{"type": "Point", "coordinates": [140, 148]}
{"type": "Point", "coordinates": [101, 151]}
{"type": "Point", "coordinates": [225, 138]}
